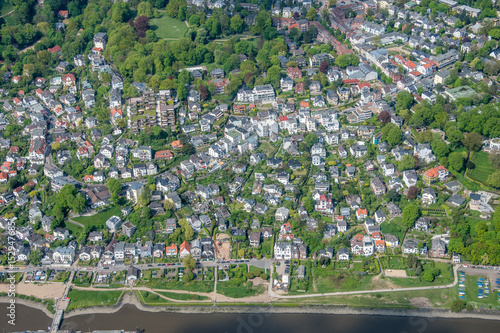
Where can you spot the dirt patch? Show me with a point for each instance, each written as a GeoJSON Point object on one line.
{"type": "Point", "coordinates": [421, 302]}
{"type": "Point", "coordinates": [223, 247]}
{"type": "Point", "coordinates": [396, 273]}
{"type": "Point", "coordinates": [399, 49]}
{"type": "Point", "coordinates": [257, 281]}
{"type": "Point", "coordinates": [45, 290]}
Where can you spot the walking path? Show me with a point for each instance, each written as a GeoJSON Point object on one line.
{"type": "Point", "coordinates": [7, 13]}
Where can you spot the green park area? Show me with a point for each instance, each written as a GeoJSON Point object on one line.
{"type": "Point", "coordinates": [86, 298]}
{"type": "Point", "coordinates": [237, 284]}
{"type": "Point", "coordinates": [99, 219]}
{"type": "Point", "coordinates": [167, 27]}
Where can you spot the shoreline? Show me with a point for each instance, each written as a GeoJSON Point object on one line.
{"type": "Point", "coordinates": [28, 303]}
{"type": "Point", "coordinates": [132, 299]}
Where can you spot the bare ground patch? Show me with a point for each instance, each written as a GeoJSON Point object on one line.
{"type": "Point", "coordinates": [223, 246]}
{"type": "Point", "coordinates": [421, 302]}
{"type": "Point", "coordinates": [396, 273]}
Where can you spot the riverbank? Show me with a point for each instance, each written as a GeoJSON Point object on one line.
{"type": "Point", "coordinates": [132, 299]}
{"type": "Point", "coordinates": [32, 304]}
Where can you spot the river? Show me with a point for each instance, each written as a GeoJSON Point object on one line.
{"type": "Point", "coordinates": [130, 318]}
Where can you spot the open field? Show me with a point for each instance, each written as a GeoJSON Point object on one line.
{"type": "Point", "coordinates": [167, 27]}
{"type": "Point", "coordinates": [88, 298]}
{"type": "Point", "coordinates": [99, 219]}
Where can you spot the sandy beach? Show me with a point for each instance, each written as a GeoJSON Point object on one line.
{"type": "Point", "coordinates": [42, 290]}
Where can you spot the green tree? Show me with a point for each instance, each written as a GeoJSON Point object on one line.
{"type": "Point", "coordinates": [35, 257]}
{"type": "Point", "coordinates": [404, 100]}
{"type": "Point", "coordinates": [393, 195]}
{"type": "Point", "coordinates": [187, 230]}
{"type": "Point", "coordinates": [168, 204]}
{"type": "Point", "coordinates": [309, 204]}
{"type": "Point", "coordinates": [273, 76]}
{"type": "Point", "coordinates": [457, 305]}
{"type": "Point", "coordinates": [346, 60]}
{"type": "Point", "coordinates": [440, 148]}
{"type": "Point", "coordinates": [189, 262]}
{"type": "Point", "coordinates": [406, 163]}
{"type": "Point", "coordinates": [392, 134]}
{"type": "Point", "coordinates": [114, 187]}
{"type": "Point", "coordinates": [410, 213]}
{"type": "Point", "coordinates": [194, 20]}
{"type": "Point", "coordinates": [144, 197]}
{"type": "Point", "coordinates": [473, 141]}
{"type": "Point", "coordinates": [427, 276]}
{"type": "Point", "coordinates": [456, 161]}
{"type": "Point", "coordinates": [79, 203]}
{"type": "Point", "coordinates": [174, 8]}
{"type": "Point", "coordinates": [237, 23]}
{"type": "Point", "coordinates": [310, 139]}
{"type": "Point", "coordinates": [311, 14]}
{"type": "Point", "coordinates": [494, 179]}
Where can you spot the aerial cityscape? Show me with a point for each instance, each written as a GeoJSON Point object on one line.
{"type": "Point", "coordinates": [313, 157]}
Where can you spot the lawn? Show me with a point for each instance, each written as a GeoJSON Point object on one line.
{"type": "Point", "coordinates": [73, 228]}
{"type": "Point", "coordinates": [329, 280]}
{"type": "Point", "coordinates": [440, 298]}
{"type": "Point", "coordinates": [267, 148]}
{"type": "Point", "coordinates": [234, 290]}
{"type": "Point", "coordinates": [5, 7]}
{"type": "Point", "coordinates": [483, 167]}
{"type": "Point", "coordinates": [445, 278]}
{"type": "Point", "coordinates": [183, 297]}
{"type": "Point", "coordinates": [392, 262]}
{"type": "Point", "coordinates": [86, 298]}
{"type": "Point", "coordinates": [151, 298]}
{"type": "Point", "coordinates": [99, 219]}
{"type": "Point", "coordinates": [394, 227]}
{"type": "Point", "coordinates": [167, 27]}
{"type": "Point", "coordinates": [196, 286]}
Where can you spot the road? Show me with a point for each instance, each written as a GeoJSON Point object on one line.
{"type": "Point", "coordinates": [260, 263]}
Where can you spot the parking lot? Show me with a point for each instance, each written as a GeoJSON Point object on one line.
{"type": "Point", "coordinates": [491, 274]}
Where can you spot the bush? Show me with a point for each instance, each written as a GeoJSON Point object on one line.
{"type": "Point", "coordinates": [457, 305]}
{"type": "Point", "coordinates": [264, 276]}
{"type": "Point", "coordinates": [250, 275]}
{"type": "Point", "coordinates": [257, 272]}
